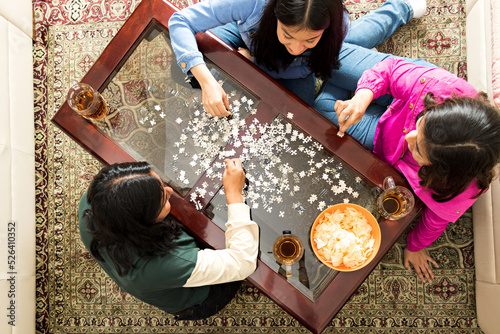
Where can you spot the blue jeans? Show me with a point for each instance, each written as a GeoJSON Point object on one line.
{"type": "Point", "coordinates": [356, 54]}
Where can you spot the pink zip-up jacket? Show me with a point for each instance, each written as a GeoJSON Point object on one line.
{"type": "Point", "coordinates": [408, 84]}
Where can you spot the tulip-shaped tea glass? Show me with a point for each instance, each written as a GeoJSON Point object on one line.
{"type": "Point", "coordinates": [86, 101]}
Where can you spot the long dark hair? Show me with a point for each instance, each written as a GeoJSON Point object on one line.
{"type": "Point", "coordinates": [462, 143]}
{"type": "Point", "coordinates": [307, 14]}
{"type": "Point", "coordinates": [125, 201]}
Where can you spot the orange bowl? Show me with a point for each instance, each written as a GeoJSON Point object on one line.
{"type": "Point", "coordinates": [375, 233]}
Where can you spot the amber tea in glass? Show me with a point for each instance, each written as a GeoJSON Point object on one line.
{"type": "Point", "coordinates": [86, 101]}
{"type": "Point", "coordinates": [393, 203]}
{"type": "Point", "coordinates": [288, 249]}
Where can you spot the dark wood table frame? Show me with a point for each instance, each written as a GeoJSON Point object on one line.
{"type": "Point", "coordinates": [314, 315]}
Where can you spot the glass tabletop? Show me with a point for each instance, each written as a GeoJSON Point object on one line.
{"type": "Point", "coordinates": [156, 115]}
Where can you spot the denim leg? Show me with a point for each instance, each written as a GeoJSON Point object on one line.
{"type": "Point", "coordinates": [378, 25]}
{"type": "Point", "coordinates": [230, 34]}
{"type": "Point", "coordinates": [364, 130]}
{"type": "Point", "coordinates": [354, 60]}
{"type": "Point", "coordinates": [303, 88]}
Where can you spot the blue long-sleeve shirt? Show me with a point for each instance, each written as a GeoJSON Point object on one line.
{"type": "Point", "coordinates": [208, 14]}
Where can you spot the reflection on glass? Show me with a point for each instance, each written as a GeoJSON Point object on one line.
{"type": "Point", "coordinates": [292, 179]}
{"type": "Point", "coordinates": [156, 114]}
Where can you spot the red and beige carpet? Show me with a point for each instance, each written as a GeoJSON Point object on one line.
{"type": "Point", "coordinates": [70, 34]}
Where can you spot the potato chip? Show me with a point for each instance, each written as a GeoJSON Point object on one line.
{"type": "Point", "coordinates": [344, 237]}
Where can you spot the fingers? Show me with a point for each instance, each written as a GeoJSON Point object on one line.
{"type": "Point", "coordinates": [425, 273]}
{"type": "Point", "coordinates": [218, 109]}
{"type": "Point", "coordinates": [433, 262]}
{"type": "Point", "coordinates": [422, 274]}
{"type": "Point", "coordinates": [345, 125]}
{"type": "Point", "coordinates": [346, 115]}
{"type": "Point", "coordinates": [246, 53]}
{"type": "Point", "coordinates": [428, 273]}
{"type": "Point", "coordinates": [427, 270]}
{"type": "Point", "coordinates": [233, 170]}
{"type": "Point", "coordinates": [215, 101]}
{"type": "Point", "coordinates": [233, 164]}
{"type": "Point", "coordinates": [339, 108]}
{"type": "Point", "coordinates": [407, 265]}
{"type": "Point", "coordinates": [226, 104]}
{"type": "Point", "coordinates": [419, 273]}
{"type": "Point", "coordinates": [420, 261]}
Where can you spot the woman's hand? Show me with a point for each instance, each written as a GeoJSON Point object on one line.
{"type": "Point", "coordinates": [214, 97]}
{"type": "Point", "coordinates": [420, 261]}
{"type": "Point", "coordinates": [233, 181]}
{"type": "Point", "coordinates": [351, 111]}
{"type": "Point", "coordinates": [246, 53]}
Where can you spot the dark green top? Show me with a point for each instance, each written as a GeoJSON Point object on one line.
{"type": "Point", "coordinates": [157, 281]}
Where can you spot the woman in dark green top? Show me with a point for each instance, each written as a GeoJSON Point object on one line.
{"type": "Point", "coordinates": [124, 223]}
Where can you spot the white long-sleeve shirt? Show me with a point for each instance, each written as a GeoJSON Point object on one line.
{"type": "Point", "coordinates": [238, 260]}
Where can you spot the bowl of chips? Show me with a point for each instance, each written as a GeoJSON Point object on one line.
{"type": "Point", "coordinates": [345, 237]}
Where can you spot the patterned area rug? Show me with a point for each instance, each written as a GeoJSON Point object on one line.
{"type": "Point", "coordinates": [70, 34]}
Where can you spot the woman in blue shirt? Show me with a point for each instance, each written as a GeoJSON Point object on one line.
{"type": "Point", "coordinates": [292, 40]}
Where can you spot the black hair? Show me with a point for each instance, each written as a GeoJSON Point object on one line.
{"type": "Point", "coordinates": [462, 144]}
{"type": "Point", "coordinates": [125, 200]}
{"type": "Point", "coordinates": [304, 14]}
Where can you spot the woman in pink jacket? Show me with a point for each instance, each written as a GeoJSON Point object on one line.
{"type": "Point", "coordinates": [438, 131]}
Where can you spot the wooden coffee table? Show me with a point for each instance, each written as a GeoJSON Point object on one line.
{"type": "Point", "coordinates": [295, 163]}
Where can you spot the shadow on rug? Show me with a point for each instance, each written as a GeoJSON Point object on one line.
{"type": "Point", "coordinates": [75, 296]}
